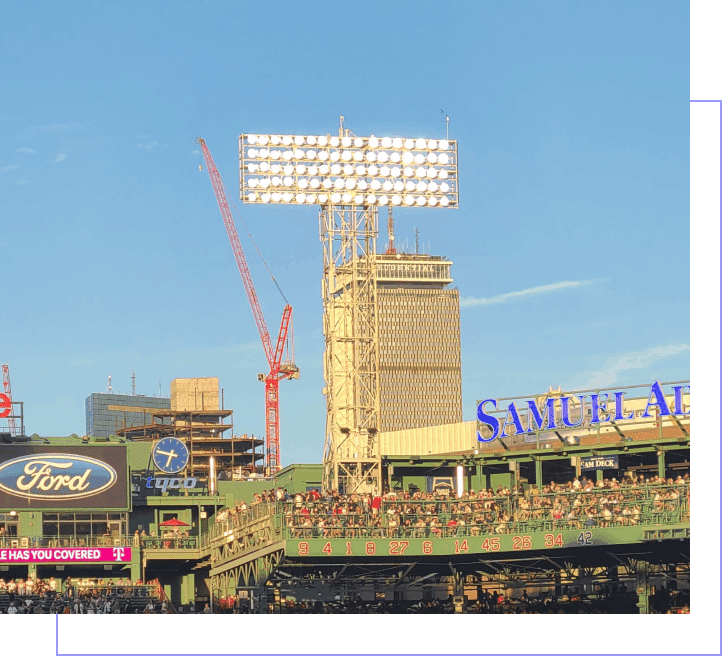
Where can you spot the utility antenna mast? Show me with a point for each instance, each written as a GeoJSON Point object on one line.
{"type": "Point", "coordinates": [391, 249]}
{"type": "Point", "coordinates": [9, 394]}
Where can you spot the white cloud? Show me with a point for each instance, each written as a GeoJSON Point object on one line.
{"type": "Point", "coordinates": [8, 168]}
{"type": "Point", "coordinates": [148, 146]}
{"type": "Point", "coordinates": [22, 182]}
{"type": "Point", "coordinates": [60, 157]}
{"type": "Point", "coordinates": [195, 152]}
{"type": "Point", "coordinates": [63, 127]}
{"type": "Point", "coordinates": [510, 296]}
{"type": "Point", "coordinates": [25, 150]}
{"type": "Point", "coordinates": [608, 375]}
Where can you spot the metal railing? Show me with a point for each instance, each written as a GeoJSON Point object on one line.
{"type": "Point", "coordinates": [163, 542]}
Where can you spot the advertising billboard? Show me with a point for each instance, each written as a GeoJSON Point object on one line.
{"type": "Point", "coordinates": [58, 477]}
{"type": "Point", "coordinates": [98, 555]}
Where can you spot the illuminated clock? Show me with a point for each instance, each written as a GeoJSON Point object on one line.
{"type": "Point", "coordinates": [170, 455]}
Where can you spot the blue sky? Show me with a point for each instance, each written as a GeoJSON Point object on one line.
{"type": "Point", "coordinates": [570, 248]}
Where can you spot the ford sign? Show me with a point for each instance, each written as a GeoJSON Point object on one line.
{"type": "Point", "coordinates": [55, 476]}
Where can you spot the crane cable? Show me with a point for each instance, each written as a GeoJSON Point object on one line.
{"type": "Point", "coordinates": [248, 232]}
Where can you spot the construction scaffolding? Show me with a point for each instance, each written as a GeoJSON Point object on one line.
{"type": "Point", "coordinates": [203, 432]}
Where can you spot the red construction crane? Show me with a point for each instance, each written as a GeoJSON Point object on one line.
{"type": "Point", "coordinates": [279, 368]}
{"type": "Point", "coordinates": [9, 394]}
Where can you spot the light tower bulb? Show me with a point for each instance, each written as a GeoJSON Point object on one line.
{"type": "Point", "coordinates": [334, 141]}
{"type": "Point", "coordinates": [409, 200]}
{"type": "Point", "coordinates": [287, 140]}
{"type": "Point", "coordinates": [373, 142]}
{"type": "Point", "coordinates": [358, 142]}
{"type": "Point", "coordinates": [252, 139]}
{"type": "Point", "coordinates": [396, 200]}
{"type": "Point", "coordinates": [275, 140]}
{"type": "Point", "coordinates": [409, 144]}
{"type": "Point", "coordinates": [443, 145]}
{"type": "Point", "coordinates": [398, 143]}
{"type": "Point", "coordinates": [386, 142]}
{"type": "Point", "coordinates": [323, 141]}
{"type": "Point", "coordinates": [346, 142]}
{"type": "Point", "coordinates": [384, 200]}
{"type": "Point", "coordinates": [360, 170]}
{"type": "Point", "coordinates": [311, 141]}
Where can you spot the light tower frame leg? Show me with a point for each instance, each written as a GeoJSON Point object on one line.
{"type": "Point", "coordinates": [352, 460]}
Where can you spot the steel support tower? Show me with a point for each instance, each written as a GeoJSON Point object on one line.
{"type": "Point", "coordinates": [351, 458]}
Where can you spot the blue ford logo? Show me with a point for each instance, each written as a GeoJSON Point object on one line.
{"type": "Point", "coordinates": [56, 476]}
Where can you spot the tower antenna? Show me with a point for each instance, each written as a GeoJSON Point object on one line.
{"type": "Point", "coordinates": [110, 386]}
{"type": "Point", "coordinates": [391, 249]}
{"type": "Point", "coordinates": [132, 382]}
{"type": "Point", "coordinates": [416, 230]}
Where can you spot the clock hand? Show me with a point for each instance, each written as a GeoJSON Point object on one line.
{"type": "Point", "coordinates": [171, 455]}
{"type": "Point", "coordinates": [165, 453]}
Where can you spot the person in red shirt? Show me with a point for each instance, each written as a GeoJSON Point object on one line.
{"type": "Point", "coordinates": [375, 505]}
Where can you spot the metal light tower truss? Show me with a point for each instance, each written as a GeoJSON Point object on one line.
{"type": "Point", "coordinates": [351, 361]}
{"type": "Point", "coordinates": [349, 177]}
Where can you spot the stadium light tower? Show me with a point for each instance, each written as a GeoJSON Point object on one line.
{"type": "Point", "coordinates": [349, 177]}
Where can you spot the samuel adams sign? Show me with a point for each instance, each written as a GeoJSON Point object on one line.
{"type": "Point", "coordinates": [46, 477]}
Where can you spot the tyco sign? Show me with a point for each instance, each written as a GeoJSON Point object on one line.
{"type": "Point", "coordinates": [164, 483]}
{"type": "Point", "coordinates": [63, 477]}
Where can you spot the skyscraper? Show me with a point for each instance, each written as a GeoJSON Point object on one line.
{"type": "Point", "coordinates": [106, 414]}
{"type": "Point", "coordinates": [419, 342]}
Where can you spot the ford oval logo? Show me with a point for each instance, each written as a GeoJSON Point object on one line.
{"type": "Point", "coordinates": [58, 476]}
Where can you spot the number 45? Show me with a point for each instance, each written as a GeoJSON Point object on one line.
{"type": "Point", "coordinates": [585, 537]}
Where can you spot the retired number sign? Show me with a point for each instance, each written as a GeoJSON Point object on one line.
{"type": "Point", "coordinates": [479, 544]}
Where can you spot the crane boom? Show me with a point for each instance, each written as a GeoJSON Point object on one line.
{"type": "Point", "coordinates": [219, 190]}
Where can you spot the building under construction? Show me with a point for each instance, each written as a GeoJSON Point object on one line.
{"type": "Point", "coordinates": [196, 418]}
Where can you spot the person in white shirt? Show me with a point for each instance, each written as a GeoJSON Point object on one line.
{"type": "Point", "coordinates": [12, 610]}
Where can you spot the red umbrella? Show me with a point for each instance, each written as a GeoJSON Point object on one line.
{"type": "Point", "coordinates": [173, 522]}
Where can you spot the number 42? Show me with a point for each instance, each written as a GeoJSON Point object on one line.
{"type": "Point", "coordinates": [585, 537]}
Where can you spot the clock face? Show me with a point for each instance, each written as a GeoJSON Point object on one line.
{"type": "Point", "coordinates": [170, 455]}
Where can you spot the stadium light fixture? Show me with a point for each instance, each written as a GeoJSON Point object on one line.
{"type": "Point", "coordinates": [459, 480]}
{"type": "Point", "coordinates": [348, 170]}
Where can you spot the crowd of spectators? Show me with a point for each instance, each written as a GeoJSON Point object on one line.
{"type": "Point", "coordinates": [577, 504]}
{"type": "Point", "coordinates": [81, 597]}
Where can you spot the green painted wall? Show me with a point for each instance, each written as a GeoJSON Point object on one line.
{"type": "Point", "coordinates": [295, 478]}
